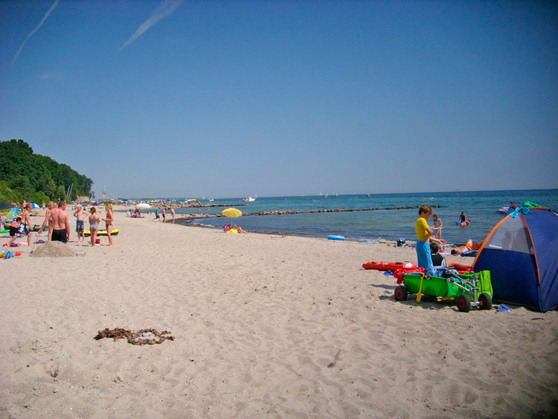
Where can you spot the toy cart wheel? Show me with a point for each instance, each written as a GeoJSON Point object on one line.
{"type": "Point", "coordinates": [401, 293]}
{"type": "Point", "coordinates": [464, 303]}
{"type": "Point", "coordinates": [485, 301]}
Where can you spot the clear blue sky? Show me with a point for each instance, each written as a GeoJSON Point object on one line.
{"type": "Point", "coordinates": [236, 98]}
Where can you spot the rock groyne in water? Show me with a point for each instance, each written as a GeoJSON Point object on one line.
{"type": "Point", "coordinates": [288, 212]}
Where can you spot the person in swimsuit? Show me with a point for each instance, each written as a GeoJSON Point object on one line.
{"type": "Point", "coordinates": [437, 223]}
{"type": "Point", "coordinates": [23, 229]}
{"type": "Point", "coordinates": [80, 215]}
{"type": "Point", "coordinates": [439, 260]}
{"type": "Point", "coordinates": [60, 223]}
{"type": "Point", "coordinates": [93, 225]}
{"type": "Point", "coordinates": [108, 221]}
{"type": "Point", "coordinates": [51, 206]}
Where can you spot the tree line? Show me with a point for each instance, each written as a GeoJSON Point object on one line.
{"type": "Point", "coordinates": [26, 176]}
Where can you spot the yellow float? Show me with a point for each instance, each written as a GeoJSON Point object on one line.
{"type": "Point", "coordinates": [114, 232]}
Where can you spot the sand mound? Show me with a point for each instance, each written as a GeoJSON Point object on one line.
{"type": "Point", "coordinates": [56, 250]}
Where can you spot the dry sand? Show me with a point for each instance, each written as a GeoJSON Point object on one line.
{"type": "Point", "coordinates": [263, 326]}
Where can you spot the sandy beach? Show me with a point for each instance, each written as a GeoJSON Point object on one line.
{"type": "Point", "coordinates": [263, 326]}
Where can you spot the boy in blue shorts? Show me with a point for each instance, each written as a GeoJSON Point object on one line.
{"type": "Point", "coordinates": [80, 214]}
{"type": "Point", "coordinates": [424, 236]}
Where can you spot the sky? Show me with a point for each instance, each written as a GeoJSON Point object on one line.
{"type": "Point", "coordinates": [274, 98]}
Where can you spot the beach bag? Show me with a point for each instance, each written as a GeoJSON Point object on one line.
{"type": "Point", "coordinates": [484, 282]}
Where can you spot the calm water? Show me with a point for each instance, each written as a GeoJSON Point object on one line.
{"type": "Point", "coordinates": [480, 207]}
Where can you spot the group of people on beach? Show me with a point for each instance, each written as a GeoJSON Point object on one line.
{"type": "Point", "coordinates": [161, 214]}
{"type": "Point", "coordinates": [135, 214]}
{"type": "Point", "coordinates": [229, 228]}
{"type": "Point", "coordinates": [437, 224]}
{"type": "Point", "coordinates": [21, 226]}
{"type": "Point", "coordinates": [94, 220]}
{"type": "Point", "coordinates": [57, 223]}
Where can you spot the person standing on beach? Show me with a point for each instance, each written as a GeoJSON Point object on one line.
{"type": "Point", "coordinates": [108, 221]}
{"type": "Point", "coordinates": [80, 215]}
{"type": "Point", "coordinates": [164, 214]}
{"type": "Point", "coordinates": [46, 222]}
{"type": "Point", "coordinates": [172, 213]}
{"type": "Point", "coordinates": [27, 221]}
{"type": "Point", "coordinates": [94, 220]}
{"type": "Point", "coordinates": [424, 236]}
{"type": "Point", "coordinates": [437, 222]}
{"type": "Point", "coordinates": [59, 223]}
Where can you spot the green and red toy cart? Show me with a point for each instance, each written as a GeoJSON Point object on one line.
{"type": "Point", "coordinates": [468, 289]}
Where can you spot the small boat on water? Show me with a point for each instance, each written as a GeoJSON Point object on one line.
{"type": "Point", "coordinates": [249, 199]}
{"type": "Point", "coordinates": [503, 210]}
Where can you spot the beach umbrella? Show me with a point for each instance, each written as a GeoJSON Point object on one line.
{"type": "Point", "coordinates": [143, 205]}
{"type": "Point", "coordinates": [34, 206]}
{"type": "Point", "coordinates": [231, 212]}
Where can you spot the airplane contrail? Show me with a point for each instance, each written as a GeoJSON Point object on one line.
{"type": "Point", "coordinates": [35, 30]}
{"type": "Point", "coordinates": [165, 8]}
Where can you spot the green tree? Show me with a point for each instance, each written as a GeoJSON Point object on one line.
{"type": "Point", "coordinates": [40, 197]}
{"type": "Point", "coordinates": [27, 176]}
{"type": "Point", "coordinates": [6, 193]}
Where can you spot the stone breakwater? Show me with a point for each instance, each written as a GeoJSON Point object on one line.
{"type": "Point", "coordinates": [162, 205]}
{"type": "Point", "coordinates": [194, 216]}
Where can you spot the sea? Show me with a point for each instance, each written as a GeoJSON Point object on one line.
{"type": "Point", "coordinates": [385, 222]}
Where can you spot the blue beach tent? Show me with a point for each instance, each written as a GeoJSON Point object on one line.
{"type": "Point", "coordinates": [521, 253]}
{"type": "Point", "coordinates": [13, 214]}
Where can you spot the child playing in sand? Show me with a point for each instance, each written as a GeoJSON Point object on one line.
{"type": "Point", "coordinates": [424, 236]}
